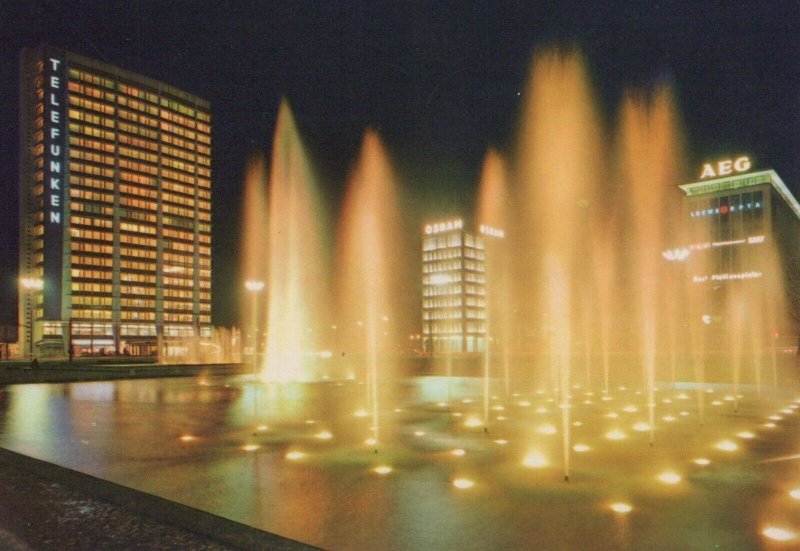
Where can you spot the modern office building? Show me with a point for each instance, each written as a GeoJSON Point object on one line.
{"type": "Point", "coordinates": [115, 208]}
{"type": "Point", "coordinates": [453, 288]}
{"type": "Point", "coordinates": [744, 232]}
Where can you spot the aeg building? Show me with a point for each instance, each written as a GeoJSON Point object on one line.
{"type": "Point", "coordinates": [115, 208]}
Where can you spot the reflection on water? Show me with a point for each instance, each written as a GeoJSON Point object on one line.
{"type": "Point", "coordinates": [221, 445]}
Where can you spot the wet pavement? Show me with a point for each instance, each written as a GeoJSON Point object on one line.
{"type": "Point", "coordinates": [43, 506]}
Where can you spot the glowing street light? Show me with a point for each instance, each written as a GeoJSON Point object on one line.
{"type": "Point", "coordinates": [255, 286]}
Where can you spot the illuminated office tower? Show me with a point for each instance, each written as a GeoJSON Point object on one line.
{"type": "Point", "coordinates": [453, 289]}
{"type": "Point", "coordinates": [115, 208]}
{"type": "Point", "coordinates": [744, 230]}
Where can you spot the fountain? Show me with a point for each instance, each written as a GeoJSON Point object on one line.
{"type": "Point", "coordinates": [595, 274]}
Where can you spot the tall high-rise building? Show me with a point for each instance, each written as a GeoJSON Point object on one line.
{"type": "Point", "coordinates": [115, 208]}
{"type": "Point", "coordinates": [453, 288]}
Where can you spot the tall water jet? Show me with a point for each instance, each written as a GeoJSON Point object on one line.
{"type": "Point", "coordinates": [649, 161]}
{"type": "Point", "coordinates": [370, 270]}
{"type": "Point", "coordinates": [493, 220]}
{"type": "Point", "coordinates": [296, 285]}
{"type": "Point", "coordinates": [556, 165]}
{"type": "Point", "coordinates": [255, 244]}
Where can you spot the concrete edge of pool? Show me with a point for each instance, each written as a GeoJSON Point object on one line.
{"type": "Point", "coordinates": [156, 509]}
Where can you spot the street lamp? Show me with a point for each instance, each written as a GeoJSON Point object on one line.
{"type": "Point", "coordinates": [255, 286]}
{"type": "Point", "coordinates": [31, 285]}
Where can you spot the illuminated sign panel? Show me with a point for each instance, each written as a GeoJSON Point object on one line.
{"type": "Point", "coordinates": [494, 232]}
{"type": "Point", "coordinates": [440, 227]}
{"type": "Point", "coordinates": [726, 167]}
{"type": "Point", "coordinates": [55, 169]}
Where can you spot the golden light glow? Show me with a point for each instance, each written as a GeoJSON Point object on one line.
{"type": "Point", "coordinates": [778, 534]}
{"type": "Point", "coordinates": [458, 452]}
{"type": "Point", "coordinates": [641, 427]}
{"type": "Point", "coordinates": [726, 446]}
{"type": "Point", "coordinates": [702, 461]}
{"type": "Point", "coordinates": [262, 428]}
{"type": "Point", "coordinates": [370, 441]}
{"type": "Point", "coordinates": [295, 455]}
{"type": "Point", "coordinates": [795, 494]}
{"type": "Point", "coordinates": [187, 438]}
{"type": "Point", "coordinates": [621, 508]}
{"type": "Point", "coordinates": [473, 422]}
{"type": "Point", "coordinates": [535, 460]}
{"type": "Point", "coordinates": [419, 433]}
{"type": "Point", "coordinates": [324, 435]}
{"type": "Point", "coordinates": [580, 448]}
{"type": "Point", "coordinates": [382, 469]}
{"type": "Point", "coordinates": [669, 477]}
{"type": "Point", "coordinates": [250, 447]}
{"type": "Point", "coordinates": [501, 441]}
{"type": "Point", "coordinates": [463, 483]}
{"type": "Point", "coordinates": [616, 434]}
{"type": "Point", "coordinates": [747, 435]}
{"type": "Point", "coordinates": [630, 409]}
{"type": "Point", "coordinates": [547, 429]}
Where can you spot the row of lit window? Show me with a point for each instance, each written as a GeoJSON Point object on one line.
{"type": "Point", "coordinates": [180, 234]}
{"type": "Point", "coordinates": [83, 273]}
{"type": "Point", "coordinates": [137, 178]}
{"type": "Point", "coordinates": [91, 300]}
{"type": "Point", "coordinates": [179, 199]}
{"type": "Point", "coordinates": [93, 313]}
{"type": "Point", "coordinates": [131, 277]}
{"type": "Point", "coordinates": [138, 239]}
{"type": "Point", "coordinates": [445, 302]}
{"type": "Point", "coordinates": [91, 118]}
{"type": "Point", "coordinates": [139, 167]}
{"type": "Point", "coordinates": [91, 196]}
{"type": "Point", "coordinates": [137, 315]}
{"type": "Point", "coordinates": [138, 215]}
{"type": "Point", "coordinates": [137, 303]}
{"type": "Point", "coordinates": [130, 264]}
{"type": "Point", "coordinates": [93, 131]}
{"type": "Point", "coordinates": [474, 266]}
{"type": "Point", "coordinates": [452, 328]}
{"type": "Point", "coordinates": [149, 193]}
{"type": "Point", "coordinates": [138, 253]}
{"type": "Point", "coordinates": [91, 78]}
{"type": "Point", "coordinates": [85, 287]}
{"type": "Point", "coordinates": [138, 142]}
{"type": "Point", "coordinates": [172, 316]}
{"type": "Point", "coordinates": [98, 183]}
{"type": "Point", "coordinates": [441, 254]}
{"type": "Point", "coordinates": [138, 118]}
{"type": "Point", "coordinates": [81, 233]}
{"type": "Point", "coordinates": [138, 105]}
{"type": "Point", "coordinates": [441, 241]}
{"type": "Point", "coordinates": [178, 305]}
{"type": "Point", "coordinates": [139, 154]}
{"type": "Point", "coordinates": [91, 91]}
{"type": "Point", "coordinates": [91, 156]}
{"type": "Point", "coordinates": [186, 213]}
{"type": "Point", "coordinates": [91, 105]}
{"type": "Point", "coordinates": [441, 266]}
{"type": "Point", "coordinates": [96, 248]}
{"type": "Point", "coordinates": [179, 119]}
{"type": "Point", "coordinates": [137, 228]}
{"type": "Point", "coordinates": [128, 329]}
{"type": "Point", "coordinates": [142, 290]}
{"type": "Point", "coordinates": [78, 141]}
{"type": "Point", "coordinates": [473, 253]}
{"type": "Point", "coordinates": [138, 130]}
{"type": "Point", "coordinates": [441, 290]}
{"type": "Point", "coordinates": [134, 202]}
{"type": "Point", "coordinates": [186, 294]}
{"type": "Point", "coordinates": [79, 260]}
{"type": "Point", "coordinates": [91, 169]}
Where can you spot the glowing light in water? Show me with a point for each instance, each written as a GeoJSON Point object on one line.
{"type": "Point", "coordinates": [473, 422]}
{"type": "Point", "coordinates": [250, 447]}
{"type": "Point", "coordinates": [726, 446]}
{"type": "Point", "coordinates": [669, 477]}
{"type": "Point", "coordinates": [778, 534]}
{"type": "Point", "coordinates": [746, 435]}
{"type": "Point", "coordinates": [324, 435]}
{"type": "Point", "coordinates": [641, 427]}
{"type": "Point", "coordinates": [581, 448]}
{"type": "Point", "coordinates": [547, 429]}
{"type": "Point", "coordinates": [621, 508]}
{"type": "Point", "coordinates": [616, 435]}
{"type": "Point", "coordinates": [630, 409]}
{"type": "Point", "coordinates": [535, 460]}
{"type": "Point", "coordinates": [501, 442]}
{"type": "Point", "coordinates": [463, 483]}
{"type": "Point", "coordinates": [382, 469]}
{"type": "Point", "coordinates": [702, 461]}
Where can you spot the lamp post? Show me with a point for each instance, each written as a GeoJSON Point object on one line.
{"type": "Point", "coordinates": [31, 285]}
{"type": "Point", "coordinates": [255, 286]}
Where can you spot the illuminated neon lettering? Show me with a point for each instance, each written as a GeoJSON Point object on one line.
{"type": "Point", "coordinates": [725, 167]}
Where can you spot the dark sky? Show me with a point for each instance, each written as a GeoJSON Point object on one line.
{"type": "Point", "coordinates": [439, 79]}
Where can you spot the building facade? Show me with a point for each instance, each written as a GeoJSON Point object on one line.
{"type": "Point", "coordinates": [453, 288]}
{"type": "Point", "coordinates": [115, 208]}
{"type": "Point", "coordinates": [744, 230]}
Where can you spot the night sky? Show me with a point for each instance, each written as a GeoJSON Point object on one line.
{"type": "Point", "coordinates": [439, 80]}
